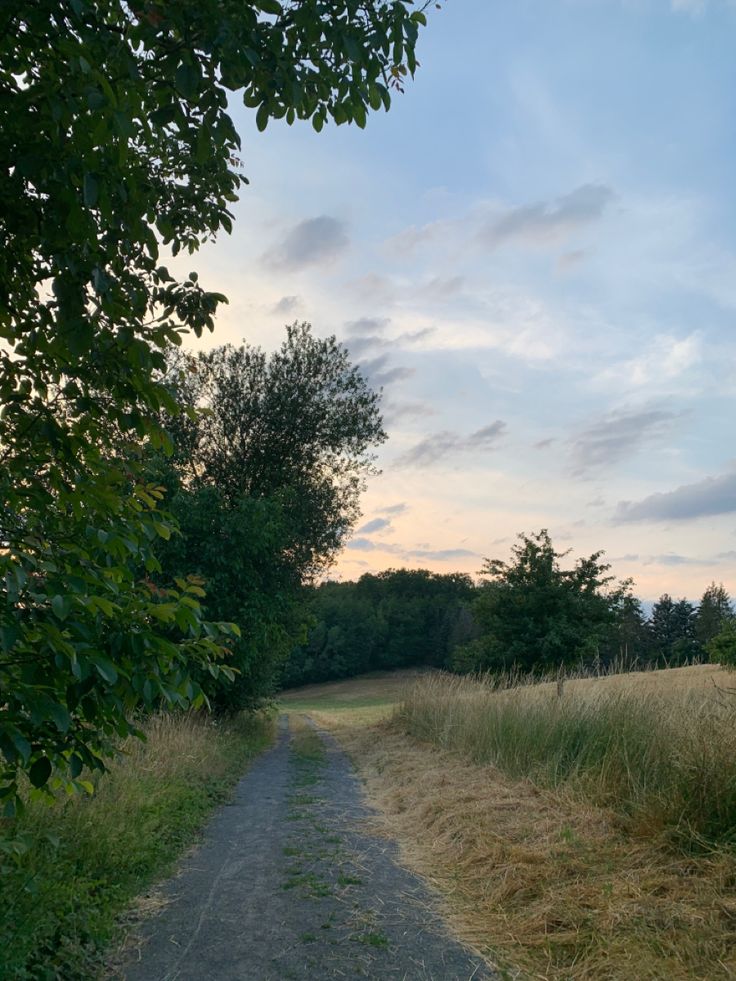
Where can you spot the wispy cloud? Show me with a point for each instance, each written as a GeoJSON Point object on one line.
{"type": "Point", "coordinates": [311, 242]}
{"type": "Point", "coordinates": [421, 554]}
{"type": "Point", "coordinates": [714, 495]}
{"type": "Point", "coordinates": [618, 435]}
{"type": "Point", "coordinates": [371, 527]}
{"type": "Point", "coordinates": [665, 360]}
{"type": "Point", "coordinates": [367, 326]}
{"type": "Point", "coordinates": [287, 304]}
{"type": "Point", "coordinates": [548, 222]}
{"type": "Point", "coordinates": [439, 445]}
{"type": "Point", "coordinates": [401, 508]}
{"type": "Point", "coordinates": [379, 371]}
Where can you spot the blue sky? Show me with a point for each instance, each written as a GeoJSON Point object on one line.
{"type": "Point", "coordinates": [534, 254]}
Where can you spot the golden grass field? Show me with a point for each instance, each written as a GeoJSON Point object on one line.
{"type": "Point", "coordinates": [544, 882]}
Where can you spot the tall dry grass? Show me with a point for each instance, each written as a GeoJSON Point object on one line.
{"type": "Point", "coordinates": [662, 756]}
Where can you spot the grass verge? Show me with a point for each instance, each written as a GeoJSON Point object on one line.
{"type": "Point", "coordinates": [89, 858]}
{"type": "Point", "coordinates": [663, 758]}
{"type": "Point", "coordinates": [539, 878]}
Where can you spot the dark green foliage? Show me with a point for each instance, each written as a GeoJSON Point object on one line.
{"type": "Point", "coordinates": [672, 627]}
{"type": "Point", "coordinates": [265, 484]}
{"type": "Point", "coordinates": [396, 619]}
{"type": "Point", "coordinates": [114, 136]}
{"type": "Point", "coordinates": [714, 613]}
{"type": "Point", "coordinates": [629, 642]}
{"type": "Point", "coordinates": [531, 613]}
{"type": "Point", "coordinates": [721, 649]}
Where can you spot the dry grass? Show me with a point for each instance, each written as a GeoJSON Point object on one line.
{"type": "Point", "coordinates": [381, 688]}
{"type": "Point", "coordinates": [660, 752]}
{"type": "Point", "coordinates": [89, 858]}
{"type": "Point", "coordinates": [539, 880]}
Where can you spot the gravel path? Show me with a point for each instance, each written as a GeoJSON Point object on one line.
{"type": "Point", "coordinates": [287, 886]}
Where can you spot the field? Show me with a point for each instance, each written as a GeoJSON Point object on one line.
{"type": "Point", "coordinates": [555, 859]}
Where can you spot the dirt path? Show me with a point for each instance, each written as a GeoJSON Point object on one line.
{"type": "Point", "coordinates": [287, 885]}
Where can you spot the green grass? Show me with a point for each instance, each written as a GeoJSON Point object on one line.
{"type": "Point", "coordinates": [90, 857]}
{"type": "Point", "coordinates": [666, 760]}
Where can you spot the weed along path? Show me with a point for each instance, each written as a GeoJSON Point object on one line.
{"type": "Point", "coordinates": [289, 885]}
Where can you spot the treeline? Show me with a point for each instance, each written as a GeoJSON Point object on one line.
{"type": "Point", "coordinates": [396, 619]}
{"type": "Point", "coordinates": [528, 614]}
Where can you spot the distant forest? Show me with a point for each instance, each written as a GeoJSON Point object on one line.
{"type": "Point", "coordinates": [529, 614]}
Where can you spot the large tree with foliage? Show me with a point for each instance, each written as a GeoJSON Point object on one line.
{"type": "Point", "coordinates": [266, 479]}
{"type": "Point", "coordinates": [115, 140]}
{"type": "Point", "coordinates": [532, 613]}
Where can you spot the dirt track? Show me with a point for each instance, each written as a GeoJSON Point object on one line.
{"type": "Point", "coordinates": [288, 885]}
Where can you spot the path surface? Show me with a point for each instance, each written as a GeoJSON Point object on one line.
{"type": "Point", "coordinates": [288, 886]}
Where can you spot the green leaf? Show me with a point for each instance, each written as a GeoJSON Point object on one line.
{"type": "Point", "coordinates": [90, 190]}
{"type": "Point", "coordinates": [61, 716]}
{"type": "Point", "coordinates": [61, 606]}
{"type": "Point", "coordinates": [105, 668]}
{"type": "Point", "coordinates": [164, 531]}
{"type": "Point", "coordinates": [262, 117]}
{"type": "Point", "coordinates": [269, 7]}
{"type": "Point", "coordinates": [40, 771]}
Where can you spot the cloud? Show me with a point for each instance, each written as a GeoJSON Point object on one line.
{"type": "Point", "coordinates": [544, 444]}
{"type": "Point", "coordinates": [287, 304]}
{"type": "Point", "coordinates": [378, 372]}
{"type": "Point", "coordinates": [309, 243]}
{"type": "Point", "coordinates": [376, 288]}
{"type": "Point", "coordinates": [671, 559]}
{"type": "Point", "coordinates": [568, 260]}
{"type": "Point", "coordinates": [714, 495]}
{"type": "Point", "coordinates": [442, 287]}
{"type": "Point", "coordinates": [665, 360]}
{"type": "Point", "coordinates": [400, 508]}
{"type": "Point", "coordinates": [542, 223]}
{"type": "Point", "coordinates": [433, 555]}
{"type": "Point", "coordinates": [442, 554]}
{"type": "Point", "coordinates": [377, 524]}
{"type": "Point", "coordinates": [396, 411]}
{"type": "Point", "coordinates": [619, 434]}
{"type": "Point", "coordinates": [371, 339]}
{"type": "Point", "coordinates": [367, 325]}
{"type": "Point", "coordinates": [434, 447]}
{"type": "Point", "coordinates": [361, 545]}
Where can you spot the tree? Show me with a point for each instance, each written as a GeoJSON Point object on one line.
{"type": "Point", "coordinates": [298, 426]}
{"type": "Point", "coordinates": [714, 611]}
{"type": "Point", "coordinates": [531, 613]}
{"type": "Point", "coordinates": [721, 649]}
{"type": "Point", "coordinates": [268, 468]}
{"type": "Point", "coordinates": [672, 629]}
{"type": "Point", "coordinates": [630, 640]}
{"type": "Point", "coordinates": [114, 139]}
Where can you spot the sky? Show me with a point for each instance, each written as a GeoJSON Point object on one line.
{"type": "Point", "coordinates": [534, 255]}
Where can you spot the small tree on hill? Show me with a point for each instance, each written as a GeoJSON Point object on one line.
{"type": "Point", "coordinates": [532, 613]}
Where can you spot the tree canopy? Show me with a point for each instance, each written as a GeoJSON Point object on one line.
{"type": "Point", "coordinates": [265, 482]}
{"type": "Point", "coordinates": [533, 613]}
{"type": "Point", "coordinates": [115, 141]}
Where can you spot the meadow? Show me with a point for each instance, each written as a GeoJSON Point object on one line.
{"type": "Point", "coordinates": [586, 833]}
